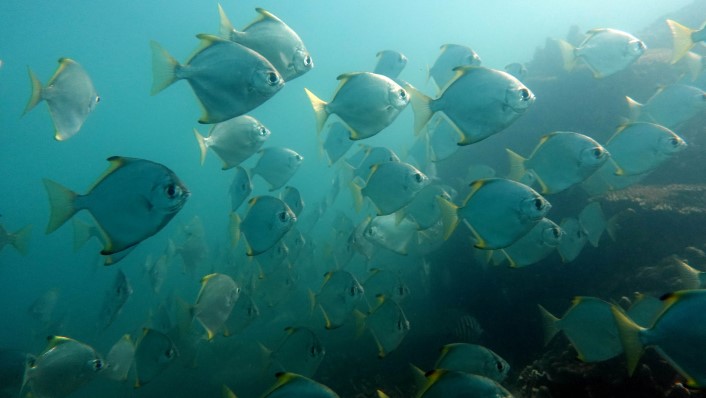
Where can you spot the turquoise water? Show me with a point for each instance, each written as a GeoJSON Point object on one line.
{"type": "Point", "coordinates": [110, 39]}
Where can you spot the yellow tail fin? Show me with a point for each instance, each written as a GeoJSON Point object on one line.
{"type": "Point", "coordinates": [61, 201]}
{"type": "Point", "coordinates": [203, 148]}
{"type": "Point", "coordinates": [681, 36]}
{"type": "Point", "coordinates": [163, 68]}
{"type": "Point", "coordinates": [20, 239]}
{"type": "Point", "coordinates": [36, 92]}
{"type": "Point", "coordinates": [320, 111]}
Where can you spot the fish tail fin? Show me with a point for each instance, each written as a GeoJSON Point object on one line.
{"type": "Point", "coordinates": [357, 192]}
{"type": "Point", "coordinates": [681, 37]}
{"type": "Point", "coordinates": [61, 201]}
{"type": "Point", "coordinates": [312, 301]}
{"type": "Point", "coordinates": [164, 68]}
{"type": "Point", "coordinates": [568, 54]}
{"type": "Point", "coordinates": [20, 241]}
{"type": "Point", "coordinates": [234, 229]}
{"type": "Point", "coordinates": [320, 111]}
{"type": "Point", "coordinates": [549, 322]}
{"type": "Point", "coordinates": [634, 109]}
{"type": "Point", "coordinates": [629, 333]}
{"type": "Point", "coordinates": [203, 148]}
{"type": "Point", "coordinates": [225, 28]}
{"type": "Point", "coordinates": [449, 216]}
{"type": "Point", "coordinates": [36, 96]}
{"type": "Point", "coordinates": [517, 165]}
{"type": "Point", "coordinates": [381, 394]}
{"type": "Point", "coordinates": [226, 392]}
{"type": "Point", "coordinates": [421, 106]}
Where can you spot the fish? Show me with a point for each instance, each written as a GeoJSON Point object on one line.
{"type": "Point", "coordinates": [277, 165]}
{"type": "Point", "coordinates": [385, 283]}
{"type": "Point", "coordinates": [294, 385]}
{"type": "Point", "coordinates": [193, 247]}
{"type": "Point", "coordinates": [366, 102]}
{"type": "Point", "coordinates": [70, 95]}
{"type": "Point", "coordinates": [295, 241]}
{"type": "Point", "coordinates": [369, 156]}
{"type": "Point", "coordinates": [293, 198]}
{"type": "Point", "coordinates": [424, 209]}
{"type": "Point", "coordinates": [498, 212]}
{"type": "Point", "coordinates": [442, 383]}
{"type": "Point", "coordinates": [670, 106]}
{"type": "Point", "coordinates": [115, 299]}
{"type": "Point", "coordinates": [473, 358]}
{"type": "Point", "coordinates": [300, 352]}
{"type": "Point", "coordinates": [639, 148]}
{"type": "Point", "coordinates": [391, 233]}
{"type": "Point", "coordinates": [157, 269]}
{"type": "Point", "coordinates": [443, 138]}
{"type": "Point", "coordinates": [605, 51]}
{"type": "Point", "coordinates": [337, 142]}
{"type": "Point", "coordinates": [120, 359]}
{"type": "Point", "coordinates": [387, 323]}
{"type": "Point", "coordinates": [18, 239]}
{"type": "Point", "coordinates": [390, 63]}
{"type": "Point", "coordinates": [154, 352]}
{"type": "Point", "coordinates": [684, 38]}
{"type": "Point", "coordinates": [244, 312]}
{"type": "Point", "coordinates": [272, 260]}
{"type": "Point", "coordinates": [240, 188]}
{"type": "Point", "coordinates": [645, 309]}
{"type": "Point", "coordinates": [215, 301]}
{"type": "Point", "coordinates": [589, 326]}
{"type": "Point", "coordinates": [221, 93]}
{"type": "Point", "coordinates": [63, 367]}
{"type": "Point", "coordinates": [478, 102]}
{"type": "Point", "coordinates": [390, 186]}
{"type": "Point", "coordinates": [275, 40]}
{"type": "Point", "coordinates": [573, 241]}
{"type": "Point", "coordinates": [42, 309]}
{"type": "Point", "coordinates": [673, 335]}
{"type": "Point", "coordinates": [83, 232]}
{"type": "Point", "coordinates": [133, 200]}
{"type": "Point", "coordinates": [690, 66]}
{"type": "Point", "coordinates": [339, 295]}
{"type": "Point", "coordinates": [268, 219]}
{"type": "Point", "coordinates": [233, 140]}
{"type": "Point", "coordinates": [534, 246]}
{"type": "Point", "coordinates": [452, 56]}
{"type": "Point", "coordinates": [517, 69]}
{"type": "Point", "coordinates": [561, 160]}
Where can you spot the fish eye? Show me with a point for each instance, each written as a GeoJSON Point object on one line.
{"type": "Point", "coordinates": [556, 232]}
{"type": "Point", "coordinates": [403, 94]}
{"type": "Point", "coordinates": [98, 99]}
{"type": "Point", "coordinates": [538, 204]}
{"type": "Point", "coordinates": [418, 177]}
{"type": "Point", "coordinates": [598, 152]}
{"type": "Point", "coordinates": [524, 94]}
{"type": "Point", "coordinates": [262, 131]}
{"type": "Point", "coordinates": [283, 216]}
{"type": "Point", "coordinates": [97, 364]}
{"type": "Point", "coordinates": [499, 365]}
{"type": "Point", "coordinates": [171, 190]}
{"type": "Point", "coordinates": [308, 61]}
{"type": "Point", "coordinates": [674, 141]}
{"type": "Point", "coordinates": [272, 78]}
{"type": "Point", "coordinates": [169, 353]}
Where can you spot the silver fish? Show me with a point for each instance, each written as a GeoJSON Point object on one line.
{"type": "Point", "coordinates": [497, 211]}
{"type": "Point", "coordinates": [337, 142]}
{"type": "Point", "coordinates": [452, 56]}
{"type": "Point", "coordinates": [64, 366]}
{"type": "Point", "coordinates": [391, 232]}
{"type": "Point", "coordinates": [561, 160]}
{"type": "Point", "coordinates": [240, 188]}
{"type": "Point", "coordinates": [390, 63]}
{"type": "Point", "coordinates": [670, 106]}
{"type": "Point", "coordinates": [271, 37]}
{"type": "Point", "coordinates": [387, 323]}
{"type": "Point", "coordinates": [385, 283]}
{"type": "Point", "coordinates": [222, 93]}
{"type": "Point", "coordinates": [244, 312]}
{"type": "Point", "coordinates": [366, 102]}
{"type": "Point", "coordinates": [154, 353]}
{"type": "Point", "coordinates": [300, 352]}
{"type": "Point", "coordinates": [535, 245]}
{"type": "Point", "coordinates": [293, 198]}
{"type": "Point", "coordinates": [233, 140]}
{"type": "Point", "coordinates": [120, 359]}
{"type": "Point", "coordinates": [390, 186]}
{"type": "Point", "coordinates": [277, 165]}
{"type": "Point", "coordinates": [339, 295]}
{"type": "Point", "coordinates": [478, 102]}
{"type": "Point", "coordinates": [115, 299]}
{"type": "Point", "coordinates": [70, 95]}
{"type": "Point", "coordinates": [132, 201]}
{"type": "Point", "coordinates": [18, 239]}
{"type": "Point", "coordinates": [267, 221]}
{"type": "Point", "coordinates": [605, 51]}
{"type": "Point", "coordinates": [639, 148]}
{"type": "Point", "coordinates": [215, 301]}
{"type": "Point", "coordinates": [442, 383]}
{"type": "Point", "coordinates": [473, 358]}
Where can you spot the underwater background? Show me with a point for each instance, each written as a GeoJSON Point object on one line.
{"type": "Point", "coordinates": [446, 284]}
